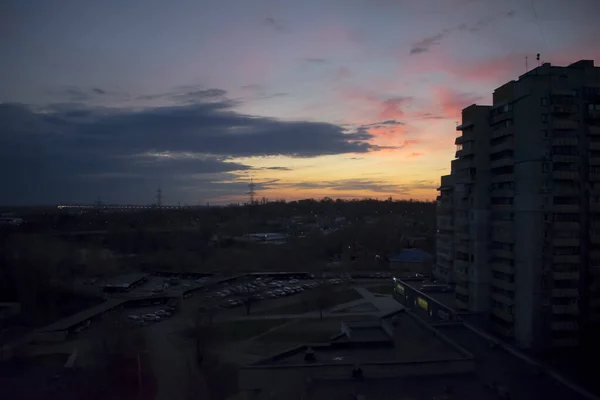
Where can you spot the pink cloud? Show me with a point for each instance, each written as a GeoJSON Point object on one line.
{"type": "Point", "coordinates": [414, 155]}
{"type": "Point", "coordinates": [376, 107]}
{"type": "Point", "coordinates": [390, 108]}
{"type": "Point", "coordinates": [450, 102]}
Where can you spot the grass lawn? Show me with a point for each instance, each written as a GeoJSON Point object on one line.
{"type": "Point", "coordinates": [383, 289]}
{"type": "Point", "coordinates": [239, 330]}
{"type": "Point", "coordinates": [306, 302]}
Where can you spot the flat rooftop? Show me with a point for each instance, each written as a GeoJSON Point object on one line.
{"type": "Point", "coordinates": [411, 342]}
{"type": "Point", "coordinates": [125, 280]}
{"type": "Point", "coordinates": [496, 364]}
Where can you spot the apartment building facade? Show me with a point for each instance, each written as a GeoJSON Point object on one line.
{"type": "Point", "coordinates": [526, 208]}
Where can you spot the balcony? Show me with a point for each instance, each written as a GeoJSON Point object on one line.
{"type": "Point", "coordinates": [570, 309]}
{"type": "Point", "coordinates": [503, 267]}
{"type": "Point", "coordinates": [503, 315]}
{"type": "Point", "coordinates": [502, 178]}
{"type": "Point", "coordinates": [563, 109]}
{"type": "Point", "coordinates": [507, 144]}
{"type": "Point", "coordinates": [465, 151]}
{"type": "Point", "coordinates": [566, 208]}
{"type": "Point", "coordinates": [566, 225]}
{"type": "Point", "coordinates": [501, 207]}
{"type": "Point", "coordinates": [467, 178]}
{"type": "Point", "coordinates": [502, 284]}
{"type": "Point", "coordinates": [565, 124]}
{"type": "Point", "coordinates": [571, 293]}
{"type": "Point", "coordinates": [463, 163]}
{"type": "Point", "coordinates": [565, 276]}
{"type": "Point", "coordinates": [502, 253]}
{"type": "Point", "coordinates": [594, 130]}
{"type": "Point", "coordinates": [593, 159]}
{"type": "Point", "coordinates": [500, 132]}
{"type": "Point", "coordinates": [572, 241]}
{"type": "Point", "coordinates": [594, 145]}
{"type": "Point", "coordinates": [566, 258]}
{"type": "Point", "coordinates": [502, 192]}
{"type": "Point", "coordinates": [568, 141]}
{"type": "Point", "coordinates": [501, 117]}
{"type": "Point", "coordinates": [572, 175]}
{"type": "Point", "coordinates": [593, 115]}
{"type": "Point", "coordinates": [562, 158]}
{"type": "Point", "coordinates": [594, 176]}
{"type": "Point", "coordinates": [594, 206]}
{"type": "Point", "coordinates": [502, 162]}
{"type": "Point", "coordinates": [503, 299]}
{"type": "Point", "coordinates": [565, 326]}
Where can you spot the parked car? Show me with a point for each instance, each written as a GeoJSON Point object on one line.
{"type": "Point", "coordinates": [149, 317]}
{"type": "Point", "coordinates": [162, 313]}
{"type": "Point", "coordinates": [293, 281]}
{"type": "Point", "coordinates": [134, 317]}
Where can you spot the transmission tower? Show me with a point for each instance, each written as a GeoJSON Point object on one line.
{"type": "Point", "coordinates": [252, 191]}
{"type": "Point", "coordinates": [158, 197]}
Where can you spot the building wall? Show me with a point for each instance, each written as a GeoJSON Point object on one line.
{"type": "Point", "coordinates": [252, 378]}
{"type": "Point", "coordinates": [531, 182]}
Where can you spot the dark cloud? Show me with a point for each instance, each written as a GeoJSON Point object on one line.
{"type": "Point", "coordinates": [424, 45]}
{"type": "Point", "coordinates": [82, 95]}
{"type": "Point", "coordinates": [278, 168]}
{"type": "Point", "coordinates": [65, 152]}
{"type": "Point", "coordinates": [274, 24]}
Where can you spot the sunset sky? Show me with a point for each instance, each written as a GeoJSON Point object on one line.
{"type": "Point", "coordinates": [339, 98]}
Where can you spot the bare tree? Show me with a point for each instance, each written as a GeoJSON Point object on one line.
{"type": "Point", "coordinates": [248, 298]}
{"type": "Point", "coordinates": [202, 331]}
{"type": "Point", "coordinates": [324, 296]}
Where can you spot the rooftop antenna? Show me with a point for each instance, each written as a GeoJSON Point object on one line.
{"type": "Point", "coordinates": [526, 66]}
{"type": "Point", "coordinates": [538, 59]}
{"type": "Point", "coordinates": [158, 197]}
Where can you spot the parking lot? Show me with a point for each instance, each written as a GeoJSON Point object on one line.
{"type": "Point", "coordinates": [263, 289]}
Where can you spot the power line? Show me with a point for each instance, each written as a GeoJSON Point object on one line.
{"type": "Point", "coordinates": [537, 22]}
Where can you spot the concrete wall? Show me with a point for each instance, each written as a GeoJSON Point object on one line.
{"type": "Point", "coordinates": [252, 378]}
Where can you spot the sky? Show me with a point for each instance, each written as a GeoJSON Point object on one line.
{"type": "Point", "coordinates": [112, 99]}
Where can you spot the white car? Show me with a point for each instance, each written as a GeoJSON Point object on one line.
{"type": "Point", "coordinates": [293, 281]}
{"type": "Point", "coordinates": [134, 317]}
{"type": "Point", "coordinates": [162, 313]}
{"type": "Point", "coordinates": [149, 317]}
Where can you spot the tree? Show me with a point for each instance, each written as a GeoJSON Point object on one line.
{"type": "Point", "coordinates": [202, 331]}
{"type": "Point", "coordinates": [248, 298]}
{"type": "Point", "coordinates": [324, 296]}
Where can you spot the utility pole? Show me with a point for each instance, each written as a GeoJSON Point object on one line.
{"type": "Point", "coordinates": [158, 197]}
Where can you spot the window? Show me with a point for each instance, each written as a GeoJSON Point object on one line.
{"type": "Point", "coordinates": [545, 133]}
{"type": "Point", "coordinates": [544, 101]}
{"type": "Point", "coordinates": [544, 118]}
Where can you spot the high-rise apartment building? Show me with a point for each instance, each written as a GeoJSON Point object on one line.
{"type": "Point", "coordinates": [520, 213]}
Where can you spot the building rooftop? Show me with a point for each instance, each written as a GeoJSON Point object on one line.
{"type": "Point", "coordinates": [497, 364]}
{"type": "Point", "coordinates": [125, 281]}
{"type": "Point", "coordinates": [410, 256]}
